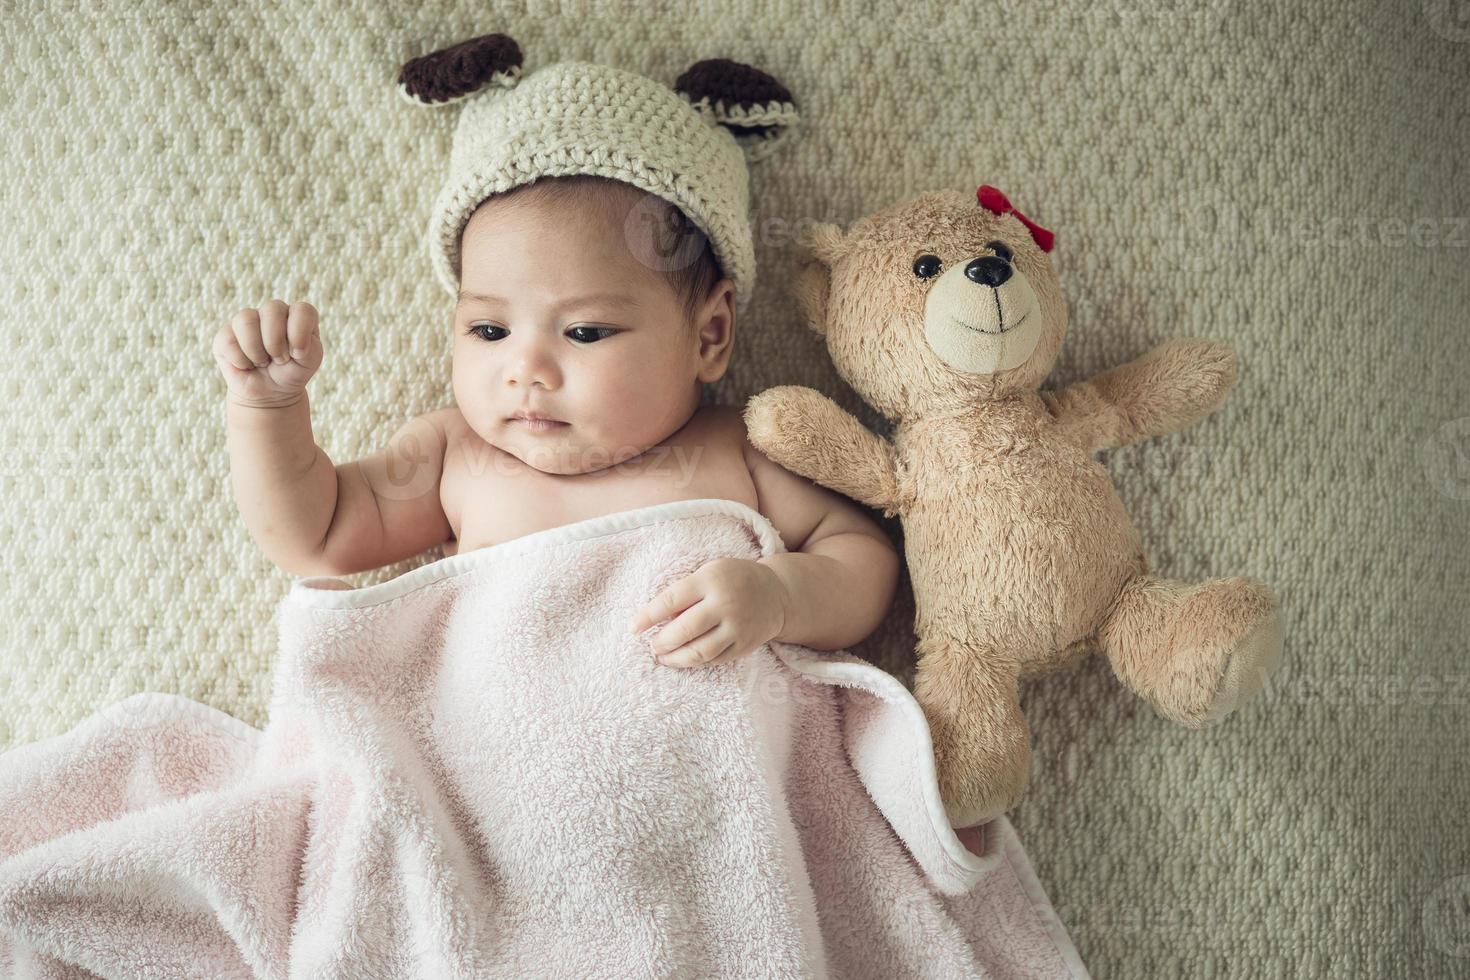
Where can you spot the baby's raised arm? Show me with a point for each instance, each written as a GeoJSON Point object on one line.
{"type": "Point", "coordinates": [309, 516]}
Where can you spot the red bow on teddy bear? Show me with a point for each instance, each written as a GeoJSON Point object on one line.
{"type": "Point", "coordinates": [991, 199]}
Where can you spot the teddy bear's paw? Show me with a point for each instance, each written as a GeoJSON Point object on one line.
{"type": "Point", "coordinates": [1194, 651]}
{"type": "Point", "coordinates": [963, 813]}
{"type": "Point", "coordinates": [1207, 368]}
{"type": "Point", "coordinates": [782, 422]}
{"type": "Point", "coordinates": [763, 418]}
{"type": "Point", "coordinates": [982, 765]}
{"type": "Point", "coordinates": [982, 788]}
{"type": "Point", "coordinates": [1253, 662]}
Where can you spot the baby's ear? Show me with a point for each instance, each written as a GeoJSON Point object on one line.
{"type": "Point", "coordinates": [753, 106]}
{"type": "Point", "coordinates": [454, 73]}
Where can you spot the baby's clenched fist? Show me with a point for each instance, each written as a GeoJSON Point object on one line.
{"type": "Point", "coordinates": [268, 355]}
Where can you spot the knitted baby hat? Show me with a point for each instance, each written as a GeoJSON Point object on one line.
{"type": "Point", "coordinates": [689, 144]}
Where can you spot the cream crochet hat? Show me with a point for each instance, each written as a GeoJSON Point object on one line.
{"type": "Point", "coordinates": [688, 144]}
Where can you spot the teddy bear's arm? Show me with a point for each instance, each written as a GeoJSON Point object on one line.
{"type": "Point", "coordinates": [1174, 385]}
{"type": "Point", "coordinates": [811, 435]}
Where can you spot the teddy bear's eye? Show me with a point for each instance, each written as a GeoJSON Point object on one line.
{"type": "Point", "coordinates": [1001, 249]}
{"type": "Point", "coordinates": [926, 266]}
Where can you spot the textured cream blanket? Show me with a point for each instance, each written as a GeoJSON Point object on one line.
{"type": "Point", "coordinates": [1287, 177]}
{"type": "Point", "coordinates": [473, 770]}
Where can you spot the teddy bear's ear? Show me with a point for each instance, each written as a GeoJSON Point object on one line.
{"type": "Point", "coordinates": [810, 286]}
{"type": "Point", "coordinates": [823, 241]}
{"type": "Point", "coordinates": [753, 106]}
{"type": "Point", "coordinates": [454, 73]}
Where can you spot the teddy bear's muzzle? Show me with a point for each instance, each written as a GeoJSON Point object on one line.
{"type": "Point", "coordinates": [980, 317]}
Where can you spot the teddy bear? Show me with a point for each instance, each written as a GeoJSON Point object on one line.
{"type": "Point", "coordinates": [944, 313]}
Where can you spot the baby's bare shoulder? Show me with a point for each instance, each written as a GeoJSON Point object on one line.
{"type": "Point", "coordinates": [449, 420]}
{"type": "Point", "coordinates": [727, 424]}
{"type": "Point", "coordinates": [779, 494]}
{"type": "Point", "coordinates": [725, 418]}
{"type": "Point", "coordinates": [719, 426]}
{"type": "Point", "coordinates": [793, 503]}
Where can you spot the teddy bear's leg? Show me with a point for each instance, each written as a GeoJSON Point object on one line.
{"type": "Point", "coordinates": [982, 747]}
{"type": "Point", "coordinates": [1195, 652]}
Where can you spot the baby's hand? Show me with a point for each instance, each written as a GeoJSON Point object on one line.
{"type": "Point", "coordinates": [725, 609]}
{"type": "Point", "coordinates": [268, 355]}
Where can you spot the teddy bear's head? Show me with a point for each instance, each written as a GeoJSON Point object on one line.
{"type": "Point", "coordinates": [935, 302]}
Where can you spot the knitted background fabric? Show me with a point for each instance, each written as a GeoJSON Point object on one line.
{"type": "Point", "coordinates": [1289, 178]}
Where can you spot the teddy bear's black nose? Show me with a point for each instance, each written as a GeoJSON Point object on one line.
{"type": "Point", "coordinates": [988, 271]}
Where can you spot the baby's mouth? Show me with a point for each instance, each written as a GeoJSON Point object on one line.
{"type": "Point", "coordinates": [537, 423]}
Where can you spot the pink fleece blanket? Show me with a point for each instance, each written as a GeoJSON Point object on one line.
{"type": "Point", "coordinates": [473, 770]}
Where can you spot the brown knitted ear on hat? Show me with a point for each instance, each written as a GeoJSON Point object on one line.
{"type": "Point", "coordinates": [752, 105]}
{"type": "Point", "coordinates": [457, 72]}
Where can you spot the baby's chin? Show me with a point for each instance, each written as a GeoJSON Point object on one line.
{"type": "Point", "coordinates": [563, 453]}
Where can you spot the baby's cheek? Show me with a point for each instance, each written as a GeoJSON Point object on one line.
{"type": "Point", "coordinates": [633, 382]}
{"type": "Point", "coordinates": [631, 413]}
{"type": "Point", "coordinates": [625, 420]}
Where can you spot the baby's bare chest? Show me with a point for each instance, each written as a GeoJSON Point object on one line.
{"type": "Point", "coordinates": [491, 496]}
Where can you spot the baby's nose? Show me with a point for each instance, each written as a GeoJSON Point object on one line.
{"type": "Point", "coordinates": [531, 372]}
{"type": "Point", "coordinates": [529, 381]}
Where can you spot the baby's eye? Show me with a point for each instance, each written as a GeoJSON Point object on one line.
{"type": "Point", "coordinates": [480, 330]}
{"type": "Point", "coordinates": [583, 335]}
{"type": "Point", "coordinates": [590, 335]}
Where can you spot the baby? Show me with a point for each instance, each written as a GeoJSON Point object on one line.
{"type": "Point", "coordinates": [579, 355]}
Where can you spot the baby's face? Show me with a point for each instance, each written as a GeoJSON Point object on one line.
{"type": "Point", "coordinates": [557, 316]}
